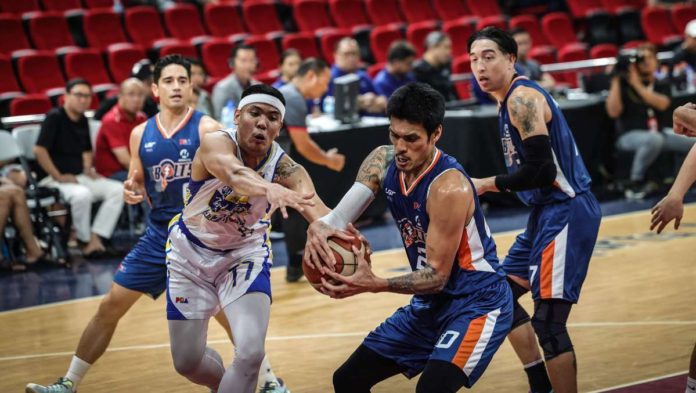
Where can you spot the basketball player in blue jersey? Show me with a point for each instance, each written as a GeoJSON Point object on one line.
{"type": "Point", "coordinates": [552, 255]}
{"type": "Point", "coordinates": [461, 310]}
{"type": "Point", "coordinates": [218, 252]}
{"type": "Point", "coordinates": [162, 150]}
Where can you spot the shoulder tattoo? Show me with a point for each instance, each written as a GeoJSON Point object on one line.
{"type": "Point", "coordinates": [523, 111]}
{"type": "Point", "coordinates": [372, 170]}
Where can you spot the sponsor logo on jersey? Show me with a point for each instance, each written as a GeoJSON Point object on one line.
{"type": "Point", "coordinates": [184, 141]}
{"type": "Point", "coordinates": [184, 154]}
{"type": "Point", "coordinates": [167, 171]}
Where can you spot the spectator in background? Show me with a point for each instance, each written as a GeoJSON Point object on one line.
{"type": "Point", "coordinates": [13, 204]}
{"type": "Point", "coordinates": [289, 64]}
{"type": "Point", "coordinates": [64, 152]}
{"type": "Point", "coordinates": [141, 70]}
{"type": "Point", "coordinates": [228, 92]}
{"type": "Point", "coordinates": [435, 67]}
{"type": "Point", "coordinates": [397, 72]}
{"type": "Point", "coordinates": [638, 101]}
{"type": "Point", "coordinates": [198, 78]}
{"type": "Point", "coordinates": [311, 82]}
{"type": "Point", "coordinates": [685, 54]}
{"type": "Point", "coordinates": [112, 155]}
{"type": "Point", "coordinates": [526, 66]}
{"type": "Point", "coordinates": [347, 57]}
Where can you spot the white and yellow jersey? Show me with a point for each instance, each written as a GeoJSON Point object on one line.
{"type": "Point", "coordinates": [219, 219]}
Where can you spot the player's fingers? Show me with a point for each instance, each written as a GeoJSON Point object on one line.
{"type": "Point", "coordinates": [327, 255]}
{"type": "Point", "coordinates": [677, 221]}
{"type": "Point", "coordinates": [314, 259]}
{"type": "Point", "coordinates": [308, 195]}
{"type": "Point", "coordinates": [284, 211]}
{"type": "Point", "coordinates": [338, 277]}
{"type": "Point", "coordinates": [662, 226]}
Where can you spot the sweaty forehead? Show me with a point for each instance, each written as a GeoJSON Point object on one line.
{"type": "Point", "coordinates": [174, 70]}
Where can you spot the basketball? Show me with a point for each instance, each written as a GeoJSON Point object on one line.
{"type": "Point", "coordinates": [346, 262]}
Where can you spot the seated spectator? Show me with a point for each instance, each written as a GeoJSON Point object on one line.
{"type": "Point", "coordinates": [435, 67]}
{"type": "Point", "coordinates": [13, 205]}
{"type": "Point", "coordinates": [529, 67]}
{"type": "Point", "coordinates": [639, 102]}
{"type": "Point", "coordinates": [64, 152]}
{"type": "Point", "coordinates": [198, 77]}
{"type": "Point", "coordinates": [685, 54]}
{"type": "Point", "coordinates": [289, 64]}
{"type": "Point", "coordinates": [112, 155]}
{"type": "Point", "coordinates": [397, 72]}
{"type": "Point", "coordinates": [228, 92]}
{"type": "Point", "coordinates": [347, 56]}
{"type": "Point", "coordinates": [142, 70]}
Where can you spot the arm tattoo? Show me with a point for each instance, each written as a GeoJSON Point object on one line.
{"type": "Point", "coordinates": [286, 168]}
{"type": "Point", "coordinates": [524, 112]}
{"type": "Point", "coordinates": [421, 282]}
{"type": "Point", "coordinates": [374, 167]}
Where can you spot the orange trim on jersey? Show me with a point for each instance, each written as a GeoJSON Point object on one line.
{"type": "Point", "coordinates": [471, 338]}
{"type": "Point", "coordinates": [181, 124]}
{"type": "Point", "coordinates": [546, 274]}
{"type": "Point", "coordinates": [464, 252]}
{"type": "Point", "coordinates": [297, 129]}
{"type": "Point", "coordinates": [402, 179]}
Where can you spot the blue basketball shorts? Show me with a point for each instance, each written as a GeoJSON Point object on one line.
{"type": "Point", "coordinates": [144, 268]}
{"type": "Point", "coordinates": [554, 251]}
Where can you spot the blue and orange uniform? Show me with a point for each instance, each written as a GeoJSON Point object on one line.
{"type": "Point", "coordinates": [466, 322]}
{"type": "Point", "coordinates": [167, 167]}
{"type": "Point", "coordinates": [554, 251]}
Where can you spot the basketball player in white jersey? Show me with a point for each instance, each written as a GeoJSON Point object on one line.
{"type": "Point", "coordinates": [218, 252]}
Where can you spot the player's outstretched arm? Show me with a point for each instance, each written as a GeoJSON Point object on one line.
{"type": "Point", "coordinates": [217, 156]}
{"type": "Point", "coordinates": [367, 184]}
{"type": "Point", "coordinates": [671, 207]}
{"type": "Point", "coordinates": [450, 207]}
{"type": "Point", "coordinates": [134, 187]}
{"type": "Point", "coordinates": [295, 177]}
{"type": "Point", "coordinates": [208, 125]}
{"type": "Point", "coordinates": [529, 113]}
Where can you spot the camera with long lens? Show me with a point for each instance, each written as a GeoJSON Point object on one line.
{"type": "Point", "coordinates": [624, 61]}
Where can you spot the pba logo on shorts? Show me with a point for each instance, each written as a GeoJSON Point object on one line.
{"type": "Point", "coordinates": [182, 300]}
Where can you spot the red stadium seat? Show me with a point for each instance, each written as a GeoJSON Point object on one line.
{"type": "Point", "coordinates": [328, 38]}
{"type": "Point", "coordinates": [102, 28]}
{"type": "Point", "coordinates": [86, 63]}
{"type": "Point", "coordinates": [183, 22]}
{"type": "Point", "coordinates": [417, 10]}
{"type": "Point", "coordinates": [32, 104]}
{"type": "Point", "coordinates": [305, 43]}
{"type": "Point", "coordinates": [459, 30]}
{"type": "Point", "coordinates": [61, 5]}
{"type": "Point", "coordinates": [348, 13]}
{"type": "Point", "coordinates": [484, 8]}
{"type": "Point", "coordinates": [615, 6]}
{"type": "Point", "coordinates": [103, 4]}
{"type": "Point", "coordinates": [383, 12]}
{"type": "Point", "coordinates": [311, 15]}
{"type": "Point", "coordinates": [530, 23]}
{"type": "Point", "coordinates": [173, 46]}
{"type": "Point", "coordinates": [8, 83]}
{"type": "Point", "coordinates": [215, 55]}
{"type": "Point", "coordinates": [374, 69]}
{"type": "Point", "coordinates": [603, 50]}
{"type": "Point", "coordinates": [461, 64]}
{"type": "Point", "coordinates": [223, 19]}
{"type": "Point", "coordinates": [580, 8]}
{"type": "Point", "coordinates": [12, 34]}
{"type": "Point", "coordinates": [381, 38]}
{"type": "Point", "coordinates": [658, 27]}
{"type": "Point", "coordinates": [558, 29]}
{"type": "Point", "coordinates": [19, 7]}
{"type": "Point", "coordinates": [416, 33]}
{"type": "Point", "coordinates": [39, 71]}
{"type": "Point", "coordinates": [498, 21]}
{"type": "Point", "coordinates": [266, 52]}
{"type": "Point", "coordinates": [261, 16]}
{"type": "Point", "coordinates": [450, 10]}
{"type": "Point", "coordinates": [463, 89]}
{"type": "Point", "coordinates": [143, 25]}
{"type": "Point", "coordinates": [121, 58]}
{"type": "Point", "coordinates": [571, 53]}
{"type": "Point", "coordinates": [681, 15]}
{"type": "Point", "coordinates": [49, 30]}
{"type": "Point", "coordinates": [543, 54]}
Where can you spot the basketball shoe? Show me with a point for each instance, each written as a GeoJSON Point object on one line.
{"type": "Point", "coordinates": [274, 387]}
{"type": "Point", "coordinates": [62, 385]}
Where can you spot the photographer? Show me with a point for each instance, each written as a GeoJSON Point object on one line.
{"type": "Point", "coordinates": [638, 101]}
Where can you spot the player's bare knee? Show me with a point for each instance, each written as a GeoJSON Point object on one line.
{"type": "Point", "coordinates": [549, 323]}
{"type": "Point", "coordinates": [250, 355]}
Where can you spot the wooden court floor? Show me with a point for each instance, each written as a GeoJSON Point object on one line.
{"type": "Point", "coordinates": [636, 319]}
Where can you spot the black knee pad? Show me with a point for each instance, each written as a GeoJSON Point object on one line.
{"type": "Point", "coordinates": [441, 377]}
{"type": "Point", "coordinates": [549, 322]}
{"type": "Point", "coordinates": [519, 314]}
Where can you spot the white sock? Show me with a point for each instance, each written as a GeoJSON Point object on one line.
{"type": "Point", "coordinates": [690, 385]}
{"type": "Point", "coordinates": [78, 369]}
{"type": "Point", "coordinates": [266, 372]}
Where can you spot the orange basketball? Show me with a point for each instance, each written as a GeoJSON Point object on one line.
{"type": "Point", "coordinates": [346, 261]}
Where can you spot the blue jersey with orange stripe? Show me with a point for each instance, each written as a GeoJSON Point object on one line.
{"type": "Point", "coordinates": [167, 164]}
{"type": "Point", "coordinates": [571, 175]}
{"type": "Point", "coordinates": [476, 264]}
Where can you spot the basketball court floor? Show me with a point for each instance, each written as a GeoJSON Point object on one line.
{"type": "Point", "coordinates": [633, 329]}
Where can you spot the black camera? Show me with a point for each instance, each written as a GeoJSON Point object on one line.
{"type": "Point", "coordinates": [624, 61]}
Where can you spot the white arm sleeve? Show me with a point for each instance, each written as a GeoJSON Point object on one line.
{"type": "Point", "coordinates": [351, 206]}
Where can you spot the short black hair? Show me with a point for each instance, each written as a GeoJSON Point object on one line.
{"type": "Point", "coordinates": [236, 49]}
{"type": "Point", "coordinates": [74, 82]}
{"type": "Point", "coordinates": [518, 30]}
{"type": "Point", "coordinates": [168, 60]}
{"type": "Point", "coordinates": [400, 50]}
{"type": "Point", "coordinates": [418, 103]}
{"type": "Point", "coordinates": [287, 53]}
{"type": "Point", "coordinates": [312, 64]}
{"type": "Point", "coordinates": [503, 39]}
{"type": "Point", "coordinates": [261, 88]}
{"type": "Point", "coordinates": [195, 62]}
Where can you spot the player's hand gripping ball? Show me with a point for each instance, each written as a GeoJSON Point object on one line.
{"type": "Point", "coordinates": [346, 261]}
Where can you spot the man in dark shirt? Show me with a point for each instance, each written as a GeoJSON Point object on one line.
{"type": "Point", "coordinates": [435, 68]}
{"type": "Point", "coordinates": [64, 152]}
{"type": "Point", "coordinates": [685, 54]}
{"type": "Point", "coordinates": [638, 101]}
{"type": "Point", "coordinates": [141, 70]}
{"type": "Point", "coordinates": [398, 70]}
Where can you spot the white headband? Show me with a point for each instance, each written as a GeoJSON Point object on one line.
{"type": "Point", "coordinates": [262, 98]}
